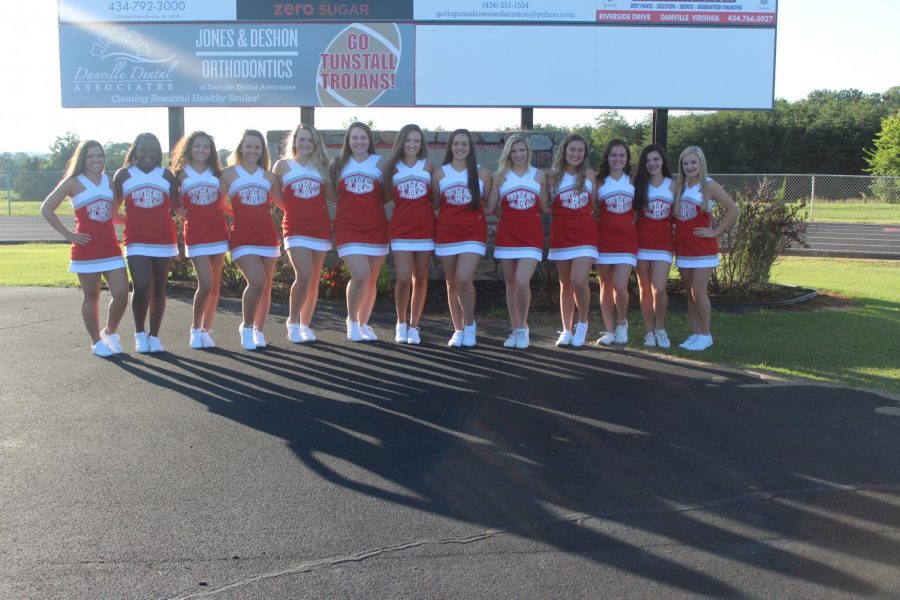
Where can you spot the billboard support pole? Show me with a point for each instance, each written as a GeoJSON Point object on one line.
{"type": "Point", "coordinates": [527, 119]}
{"type": "Point", "coordinates": [176, 125]}
{"type": "Point", "coordinates": [308, 115]}
{"type": "Point", "coordinates": [661, 127]}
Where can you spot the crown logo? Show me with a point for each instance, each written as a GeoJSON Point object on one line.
{"type": "Point", "coordinates": [123, 43]}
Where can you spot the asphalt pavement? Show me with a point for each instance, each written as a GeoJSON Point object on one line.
{"type": "Point", "coordinates": [339, 470]}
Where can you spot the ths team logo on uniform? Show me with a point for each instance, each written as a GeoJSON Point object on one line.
{"type": "Point", "coordinates": [687, 210]}
{"type": "Point", "coordinates": [253, 196]}
{"type": "Point", "coordinates": [411, 189]}
{"type": "Point", "coordinates": [101, 210]}
{"type": "Point", "coordinates": [569, 199]}
{"type": "Point", "coordinates": [458, 196]}
{"type": "Point", "coordinates": [521, 199]}
{"type": "Point", "coordinates": [359, 184]}
{"type": "Point", "coordinates": [305, 189]}
{"type": "Point", "coordinates": [618, 204]}
{"type": "Point", "coordinates": [203, 195]}
{"type": "Point", "coordinates": [658, 210]}
{"type": "Point", "coordinates": [147, 197]}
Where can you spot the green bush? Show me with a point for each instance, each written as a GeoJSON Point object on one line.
{"type": "Point", "coordinates": [766, 227]}
{"type": "Point", "coordinates": [887, 189]}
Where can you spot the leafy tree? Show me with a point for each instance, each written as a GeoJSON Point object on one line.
{"type": "Point", "coordinates": [61, 151]}
{"type": "Point", "coordinates": [885, 158]}
{"type": "Point", "coordinates": [115, 154]}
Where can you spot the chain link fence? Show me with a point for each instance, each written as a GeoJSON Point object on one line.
{"type": "Point", "coordinates": [33, 186]}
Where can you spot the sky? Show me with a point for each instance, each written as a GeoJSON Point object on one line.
{"type": "Point", "coordinates": [821, 44]}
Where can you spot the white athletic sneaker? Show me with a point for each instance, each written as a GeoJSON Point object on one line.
{"type": "Point", "coordinates": [650, 339]}
{"type": "Point", "coordinates": [208, 342]}
{"type": "Point", "coordinates": [306, 333]}
{"type": "Point", "coordinates": [456, 339]}
{"type": "Point", "coordinates": [259, 338]}
{"type": "Point", "coordinates": [690, 340]}
{"type": "Point", "coordinates": [522, 339]}
{"type": "Point", "coordinates": [579, 335]}
{"type": "Point", "coordinates": [155, 344]}
{"type": "Point", "coordinates": [141, 343]}
{"type": "Point", "coordinates": [412, 335]}
{"type": "Point", "coordinates": [354, 333]}
{"type": "Point", "coordinates": [701, 343]}
{"type": "Point", "coordinates": [101, 349]}
{"type": "Point", "coordinates": [196, 339]}
{"type": "Point", "coordinates": [511, 339]}
{"type": "Point", "coordinates": [606, 338]}
{"type": "Point", "coordinates": [565, 338]}
{"type": "Point", "coordinates": [112, 340]}
{"type": "Point", "coordinates": [247, 342]}
{"type": "Point", "coordinates": [621, 333]}
{"type": "Point", "coordinates": [400, 333]}
{"type": "Point", "coordinates": [294, 334]}
{"type": "Point", "coordinates": [368, 333]}
{"type": "Point", "coordinates": [469, 335]}
{"type": "Point", "coordinates": [662, 338]}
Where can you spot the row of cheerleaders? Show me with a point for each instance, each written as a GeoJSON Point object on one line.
{"type": "Point", "coordinates": [618, 217]}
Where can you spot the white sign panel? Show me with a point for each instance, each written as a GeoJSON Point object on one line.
{"type": "Point", "coordinates": [86, 11]}
{"type": "Point", "coordinates": [728, 68]}
{"type": "Point", "coordinates": [505, 10]}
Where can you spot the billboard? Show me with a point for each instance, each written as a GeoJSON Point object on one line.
{"type": "Point", "coordinates": [705, 54]}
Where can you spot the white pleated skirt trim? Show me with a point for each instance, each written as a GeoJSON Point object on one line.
{"type": "Point", "coordinates": [573, 252]}
{"type": "Point", "coordinates": [515, 252]}
{"type": "Point", "coordinates": [98, 265]}
{"type": "Point", "coordinates": [264, 251]}
{"type": "Point", "coordinates": [302, 241]}
{"type": "Point", "coordinates": [696, 262]}
{"type": "Point", "coordinates": [660, 255]}
{"type": "Point", "coordinates": [208, 249]}
{"type": "Point", "coordinates": [364, 249]}
{"type": "Point", "coordinates": [152, 250]}
{"type": "Point", "coordinates": [609, 258]}
{"type": "Point", "coordinates": [460, 248]}
{"type": "Point", "coordinates": [412, 245]}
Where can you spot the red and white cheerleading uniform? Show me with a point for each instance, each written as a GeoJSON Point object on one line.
{"type": "Point", "coordinates": [573, 230]}
{"type": "Point", "coordinates": [205, 230]}
{"type": "Point", "coordinates": [252, 228]}
{"type": "Point", "coordinates": [149, 229]}
{"type": "Point", "coordinates": [94, 210]}
{"type": "Point", "coordinates": [618, 236]}
{"type": "Point", "coordinates": [306, 223]}
{"type": "Point", "coordinates": [360, 225]}
{"type": "Point", "coordinates": [459, 229]}
{"type": "Point", "coordinates": [654, 225]}
{"type": "Point", "coordinates": [412, 222]}
{"type": "Point", "coordinates": [521, 232]}
{"type": "Point", "coordinates": [692, 252]}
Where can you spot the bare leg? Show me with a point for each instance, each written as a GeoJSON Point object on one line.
{"type": "Point", "coordinates": [403, 266]}
{"type": "Point", "coordinates": [371, 288]}
{"type": "Point", "coordinates": [158, 294]}
{"type": "Point", "coordinates": [358, 265]}
{"type": "Point", "coordinates": [466, 264]}
{"type": "Point", "coordinates": [141, 270]}
{"type": "Point", "coordinates": [203, 269]}
{"type": "Point", "coordinates": [566, 293]}
{"type": "Point", "coordinates": [254, 272]}
{"type": "Point", "coordinates": [580, 274]}
{"type": "Point", "coordinates": [621, 273]}
{"type": "Point", "coordinates": [117, 281]}
{"type": "Point", "coordinates": [312, 287]}
{"type": "Point", "coordinates": [90, 304]}
{"type": "Point", "coordinates": [702, 312]}
{"type": "Point", "coordinates": [659, 279]}
{"type": "Point", "coordinates": [304, 272]}
{"type": "Point", "coordinates": [687, 276]}
{"type": "Point", "coordinates": [644, 269]}
{"type": "Point", "coordinates": [607, 302]}
{"type": "Point", "coordinates": [421, 268]}
{"type": "Point", "coordinates": [456, 312]}
{"type": "Point", "coordinates": [265, 300]}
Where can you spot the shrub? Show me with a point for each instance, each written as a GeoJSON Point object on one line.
{"type": "Point", "coordinates": [766, 227]}
{"type": "Point", "coordinates": [887, 189]}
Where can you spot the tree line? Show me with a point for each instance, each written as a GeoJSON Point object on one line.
{"type": "Point", "coordinates": [843, 132]}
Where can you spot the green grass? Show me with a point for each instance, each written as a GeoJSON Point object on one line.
{"type": "Point", "coordinates": [855, 212]}
{"type": "Point", "coordinates": [856, 346]}
{"type": "Point", "coordinates": [21, 208]}
{"type": "Point", "coordinates": [36, 264]}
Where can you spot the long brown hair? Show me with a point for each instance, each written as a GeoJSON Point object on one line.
{"type": "Point", "coordinates": [642, 178]}
{"type": "Point", "coordinates": [237, 156]}
{"type": "Point", "coordinates": [559, 161]}
{"type": "Point", "coordinates": [78, 162]}
{"type": "Point", "coordinates": [319, 157]}
{"type": "Point", "coordinates": [181, 155]}
{"type": "Point", "coordinates": [338, 163]}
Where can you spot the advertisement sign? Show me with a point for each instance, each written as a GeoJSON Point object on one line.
{"type": "Point", "coordinates": [324, 10]}
{"type": "Point", "coordinates": [148, 11]}
{"type": "Point", "coordinates": [546, 11]}
{"type": "Point", "coordinates": [234, 65]}
{"type": "Point", "coordinates": [756, 13]}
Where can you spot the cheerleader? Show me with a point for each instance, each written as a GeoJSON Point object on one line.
{"type": "Point", "coordinates": [250, 188]}
{"type": "Point", "coordinates": [95, 251]}
{"type": "Point", "coordinates": [520, 191]}
{"type": "Point", "coordinates": [408, 174]}
{"type": "Point", "coordinates": [696, 239]}
{"type": "Point", "coordinates": [653, 204]}
{"type": "Point", "coordinates": [149, 193]}
{"type": "Point", "coordinates": [195, 162]}
{"type": "Point", "coordinates": [306, 227]}
{"type": "Point", "coordinates": [573, 234]}
{"type": "Point", "coordinates": [618, 243]}
{"type": "Point", "coordinates": [460, 237]}
{"type": "Point", "coordinates": [360, 225]}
